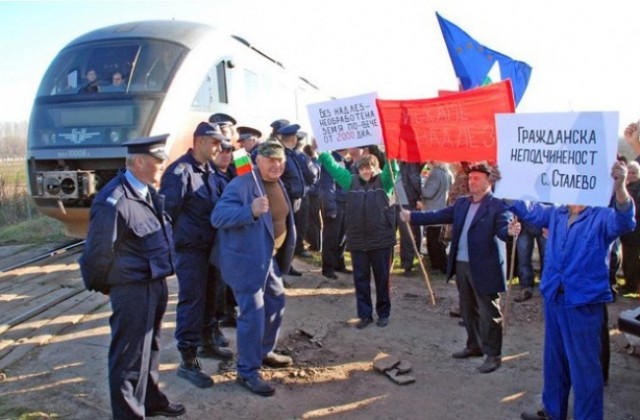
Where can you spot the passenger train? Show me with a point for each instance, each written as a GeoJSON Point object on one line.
{"type": "Point", "coordinates": [175, 74]}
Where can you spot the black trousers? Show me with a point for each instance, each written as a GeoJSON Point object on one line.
{"type": "Point", "coordinates": [480, 313]}
{"type": "Point", "coordinates": [134, 352]}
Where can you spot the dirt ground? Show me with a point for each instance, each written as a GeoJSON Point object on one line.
{"type": "Point", "coordinates": [332, 376]}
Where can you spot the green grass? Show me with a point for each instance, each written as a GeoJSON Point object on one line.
{"type": "Point", "coordinates": [34, 231]}
{"type": "Point", "coordinates": [14, 172]}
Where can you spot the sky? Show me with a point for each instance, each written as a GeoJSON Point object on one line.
{"type": "Point", "coordinates": [585, 55]}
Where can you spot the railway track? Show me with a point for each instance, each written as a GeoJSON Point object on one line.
{"type": "Point", "coordinates": [41, 294]}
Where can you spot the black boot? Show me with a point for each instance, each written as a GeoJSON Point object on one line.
{"type": "Point", "coordinates": [191, 370]}
{"type": "Point", "coordinates": [218, 336]}
{"type": "Point", "coordinates": [211, 349]}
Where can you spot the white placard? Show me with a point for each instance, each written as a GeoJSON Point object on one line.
{"type": "Point", "coordinates": [562, 158]}
{"type": "Point", "coordinates": [346, 122]}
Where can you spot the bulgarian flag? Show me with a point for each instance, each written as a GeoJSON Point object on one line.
{"type": "Point", "coordinates": [242, 161]}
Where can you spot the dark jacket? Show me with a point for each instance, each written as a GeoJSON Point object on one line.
{"type": "Point", "coordinates": [330, 192]}
{"type": "Point", "coordinates": [371, 219]}
{"type": "Point", "coordinates": [486, 237]}
{"type": "Point", "coordinates": [128, 239]}
{"type": "Point", "coordinates": [190, 192]}
{"type": "Point", "coordinates": [297, 176]}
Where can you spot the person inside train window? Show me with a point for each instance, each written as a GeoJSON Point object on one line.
{"type": "Point", "coordinates": [91, 81]}
{"type": "Point", "coordinates": [117, 83]}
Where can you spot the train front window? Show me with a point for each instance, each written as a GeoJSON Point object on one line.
{"type": "Point", "coordinates": [142, 65]}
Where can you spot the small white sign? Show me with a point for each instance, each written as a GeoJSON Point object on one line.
{"type": "Point", "coordinates": [562, 158]}
{"type": "Point", "coordinates": [346, 122]}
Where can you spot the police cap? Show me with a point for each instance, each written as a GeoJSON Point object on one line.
{"type": "Point", "coordinates": [222, 120]}
{"type": "Point", "coordinates": [271, 149]}
{"type": "Point", "coordinates": [289, 130]}
{"type": "Point", "coordinates": [278, 124]}
{"type": "Point", "coordinates": [248, 130]}
{"type": "Point", "coordinates": [205, 129]}
{"type": "Point", "coordinates": [301, 135]}
{"type": "Point", "coordinates": [154, 146]}
{"type": "Point", "coordinates": [226, 145]}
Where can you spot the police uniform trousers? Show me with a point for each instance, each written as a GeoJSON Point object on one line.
{"type": "Point", "coordinates": [134, 353]}
{"type": "Point", "coordinates": [572, 359]}
{"type": "Point", "coordinates": [259, 322]}
{"type": "Point", "coordinates": [480, 313]}
{"type": "Point", "coordinates": [377, 261]}
{"type": "Point", "coordinates": [334, 241]}
{"type": "Point", "coordinates": [301, 221]}
{"type": "Point", "coordinates": [196, 296]}
{"type": "Point", "coordinates": [314, 229]}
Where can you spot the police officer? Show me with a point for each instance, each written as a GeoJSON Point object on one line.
{"type": "Point", "coordinates": [191, 193]}
{"type": "Point", "coordinates": [224, 309]}
{"type": "Point", "coordinates": [226, 123]}
{"type": "Point", "coordinates": [275, 126]}
{"type": "Point", "coordinates": [297, 177]}
{"type": "Point", "coordinates": [128, 255]}
{"type": "Point", "coordinates": [248, 139]}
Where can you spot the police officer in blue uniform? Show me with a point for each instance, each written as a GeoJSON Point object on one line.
{"type": "Point", "coordinates": [248, 139]}
{"type": "Point", "coordinates": [189, 186]}
{"type": "Point", "coordinates": [128, 255]}
{"type": "Point", "coordinates": [226, 123]}
{"type": "Point", "coordinates": [298, 176]}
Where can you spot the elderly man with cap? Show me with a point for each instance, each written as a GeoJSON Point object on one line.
{"type": "Point", "coordinates": [298, 177]}
{"type": "Point", "coordinates": [477, 259]}
{"type": "Point", "coordinates": [226, 124]}
{"type": "Point", "coordinates": [128, 255]}
{"type": "Point", "coordinates": [189, 186]}
{"type": "Point", "coordinates": [248, 139]}
{"type": "Point", "coordinates": [255, 243]}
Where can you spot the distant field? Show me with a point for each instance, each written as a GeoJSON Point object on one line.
{"type": "Point", "coordinates": [14, 172]}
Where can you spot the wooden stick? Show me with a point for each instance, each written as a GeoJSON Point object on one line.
{"type": "Point", "coordinates": [512, 259]}
{"type": "Point", "coordinates": [415, 247]}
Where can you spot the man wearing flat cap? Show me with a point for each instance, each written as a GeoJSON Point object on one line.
{"type": "Point", "coordinates": [189, 185]}
{"type": "Point", "coordinates": [226, 123]}
{"type": "Point", "coordinates": [255, 244]}
{"type": "Point", "coordinates": [477, 259]}
{"type": "Point", "coordinates": [128, 255]}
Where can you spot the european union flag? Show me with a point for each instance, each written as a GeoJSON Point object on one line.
{"type": "Point", "coordinates": [474, 63]}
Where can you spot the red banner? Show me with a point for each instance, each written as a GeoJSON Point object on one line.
{"type": "Point", "coordinates": [456, 127]}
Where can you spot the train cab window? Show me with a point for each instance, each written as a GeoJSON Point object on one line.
{"type": "Point", "coordinates": [147, 65]}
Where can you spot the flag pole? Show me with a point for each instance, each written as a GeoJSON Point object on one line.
{"type": "Point", "coordinates": [512, 259]}
{"type": "Point", "coordinates": [415, 247]}
{"type": "Point", "coordinates": [257, 183]}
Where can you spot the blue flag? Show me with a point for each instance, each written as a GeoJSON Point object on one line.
{"type": "Point", "coordinates": [476, 65]}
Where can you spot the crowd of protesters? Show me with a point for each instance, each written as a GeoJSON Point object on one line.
{"type": "Point", "coordinates": [231, 241]}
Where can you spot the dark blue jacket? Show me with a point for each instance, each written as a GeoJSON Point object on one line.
{"type": "Point", "coordinates": [128, 239]}
{"type": "Point", "coordinates": [486, 237]}
{"type": "Point", "coordinates": [244, 245]}
{"type": "Point", "coordinates": [189, 201]}
{"type": "Point", "coordinates": [297, 176]}
{"type": "Point", "coordinates": [330, 192]}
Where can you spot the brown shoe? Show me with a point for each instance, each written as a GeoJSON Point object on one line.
{"type": "Point", "coordinates": [275, 360]}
